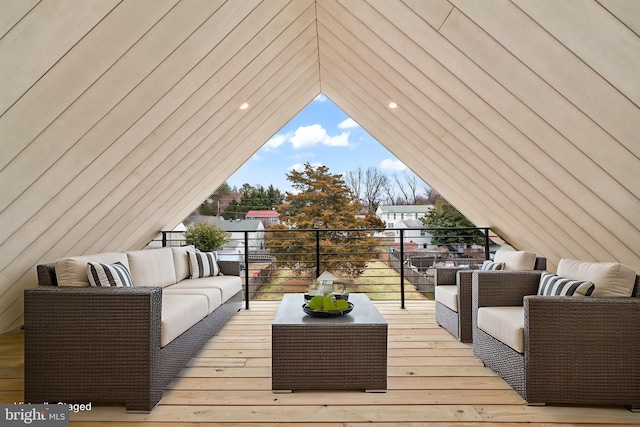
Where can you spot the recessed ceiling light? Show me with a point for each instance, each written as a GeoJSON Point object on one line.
{"type": "Point", "coordinates": [393, 105]}
{"type": "Point", "coordinates": [244, 106]}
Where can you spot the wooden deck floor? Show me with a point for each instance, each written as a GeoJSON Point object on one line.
{"type": "Point", "coordinates": [433, 381]}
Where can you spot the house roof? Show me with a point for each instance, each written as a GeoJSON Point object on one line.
{"type": "Point", "coordinates": [242, 225]}
{"type": "Point", "coordinates": [263, 214]}
{"type": "Point", "coordinates": [404, 208]}
{"type": "Point", "coordinates": [117, 119]}
{"type": "Point", "coordinates": [409, 223]}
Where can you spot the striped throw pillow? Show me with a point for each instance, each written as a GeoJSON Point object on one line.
{"type": "Point", "coordinates": [109, 275]}
{"type": "Point", "coordinates": [490, 265]}
{"type": "Point", "coordinates": [203, 264]}
{"type": "Point", "coordinates": [552, 284]}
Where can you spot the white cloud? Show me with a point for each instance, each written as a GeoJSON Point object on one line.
{"type": "Point", "coordinates": [391, 164]}
{"type": "Point", "coordinates": [320, 98]}
{"type": "Point", "coordinates": [348, 124]}
{"type": "Point", "coordinates": [300, 166]}
{"type": "Point", "coordinates": [276, 141]}
{"type": "Point", "coordinates": [310, 136]}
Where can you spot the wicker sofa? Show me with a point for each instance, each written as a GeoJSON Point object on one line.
{"type": "Point", "coordinates": [560, 349]}
{"type": "Point", "coordinates": [121, 344]}
{"type": "Point", "coordinates": [453, 290]}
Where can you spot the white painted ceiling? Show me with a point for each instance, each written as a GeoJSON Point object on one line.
{"type": "Point", "coordinates": [117, 118]}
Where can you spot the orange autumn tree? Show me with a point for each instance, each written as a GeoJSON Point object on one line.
{"type": "Point", "coordinates": [321, 205]}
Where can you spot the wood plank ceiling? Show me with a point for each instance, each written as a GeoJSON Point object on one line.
{"type": "Point", "coordinates": [117, 118]}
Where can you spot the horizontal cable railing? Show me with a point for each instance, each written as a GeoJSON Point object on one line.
{"type": "Point", "coordinates": [389, 264]}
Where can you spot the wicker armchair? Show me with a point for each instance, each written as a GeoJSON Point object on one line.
{"type": "Point", "coordinates": [458, 323]}
{"type": "Point", "coordinates": [577, 350]}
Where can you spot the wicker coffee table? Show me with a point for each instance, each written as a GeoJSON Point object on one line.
{"type": "Point", "coordinates": [340, 353]}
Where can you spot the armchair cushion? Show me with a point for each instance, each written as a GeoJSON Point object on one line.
{"type": "Point", "coordinates": [554, 285]}
{"type": "Point", "coordinates": [505, 324]}
{"type": "Point", "coordinates": [611, 279]}
{"type": "Point", "coordinates": [115, 274]}
{"type": "Point", "coordinates": [516, 260]}
{"type": "Point", "coordinates": [447, 295]}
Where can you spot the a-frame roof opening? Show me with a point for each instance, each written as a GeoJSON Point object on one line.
{"type": "Point", "coordinates": [322, 134]}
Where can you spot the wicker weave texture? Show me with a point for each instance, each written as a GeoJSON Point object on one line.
{"type": "Point", "coordinates": [448, 319]}
{"type": "Point", "coordinates": [577, 350]}
{"type": "Point", "coordinates": [92, 345]}
{"type": "Point", "coordinates": [346, 353]}
{"type": "Point", "coordinates": [102, 345]}
{"type": "Point", "coordinates": [329, 358]}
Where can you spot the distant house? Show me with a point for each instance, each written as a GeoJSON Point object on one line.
{"type": "Point", "coordinates": [391, 214]}
{"type": "Point", "coordinates": [267, 217]}
{"type": "Point", "coordinates": [414, 231]}
{"type": "Point", "coordinates": [252, 228]}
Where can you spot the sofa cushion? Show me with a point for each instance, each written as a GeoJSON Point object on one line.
{"type": "Point", "coordinates": [203, 264]}
{"type": "Point", "coordinates": [611, 279]}
{"type": "Point", "coordinates": [552, 284]}
{"type": "Point", "coordinates": [152, 267]}
{"type": "Point", "coordinates": [115, 274]}
{"type": "Point", "coordinates": [181, 261]}
{"type": "Point", "coordinates": [72, 271]}
{"type": "Point", "coordinates": [179, 313]}
{"type": "Point", "coordinates": [505, 324]}
{"type": "Point", "coordinates": [228, 285]}
{"type": "Point", "coordinates": [213, 295]}
{"type": "Point", "coordinates": [515, 260]}
{"type": "Point", "coordinates": [448, 296]}
{"type": "Point", "coordinates": [491, 265]}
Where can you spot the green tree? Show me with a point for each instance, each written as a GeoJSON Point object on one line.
{"type": "Point", "coordinates": [321, 201]}
{"type": "Point", "coordinates": [445, 216]}
{"type": "Point", "coordinates": [210, 206]}
{"type": "Point", "coordinates": [253, 198]}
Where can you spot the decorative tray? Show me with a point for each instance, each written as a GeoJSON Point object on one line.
{"type": "Point", "coordinates": [325, 314]}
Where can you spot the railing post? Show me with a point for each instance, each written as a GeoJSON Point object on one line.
{"type": "Point", "coordinates": [402, 268]}
{"type": "Point", "coordinates": [164, 239]}
{"type": "Point", "coordinates": [486, 243]}
{"type": "Point", "coordinates": [246, 269]}
{"type": "Point", "coordinates": [317, 253]}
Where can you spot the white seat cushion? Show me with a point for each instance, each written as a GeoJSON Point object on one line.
{"type": "Point", "coordinates": [152, 267]}
{"type": "Point", "coordinates": [228, 285]}
{"type": "Point", "coordinates": [214, 295]}
{"type": "Point", "coordinates": [179, 313]}
{"type": "Point", "coordinates": [448, 296]}
{"type": "Point", "coordinates": [505, 324]}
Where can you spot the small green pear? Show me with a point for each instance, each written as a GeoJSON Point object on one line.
{"type": "Point", "coordinates": [329, 303]}
{"type": "Point", "coordinates": [316, 303]}
{"type": "Point", "coordinates": [342, 304]}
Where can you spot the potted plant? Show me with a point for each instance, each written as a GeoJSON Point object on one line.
{"type": "Point", "coordinates": [206, 237]}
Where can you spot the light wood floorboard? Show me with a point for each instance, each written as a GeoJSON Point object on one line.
{"type": "Point", "coordinates": [433, 380]}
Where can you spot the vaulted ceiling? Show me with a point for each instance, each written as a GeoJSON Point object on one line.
{"type": "Point", "coordinates": [117, 118]}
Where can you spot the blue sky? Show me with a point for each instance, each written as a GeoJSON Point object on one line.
{"type": "Point", "coordinates": [321, 134]}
